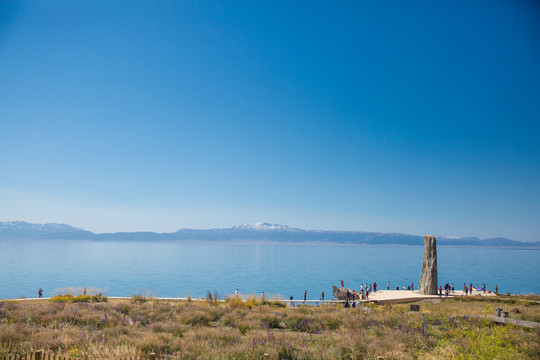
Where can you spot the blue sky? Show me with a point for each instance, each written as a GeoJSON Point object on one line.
{"type": "Point", "coordinates": [419, 117]}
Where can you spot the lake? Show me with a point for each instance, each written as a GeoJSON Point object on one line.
{"type": "Point", "coordinates": [180, 269]}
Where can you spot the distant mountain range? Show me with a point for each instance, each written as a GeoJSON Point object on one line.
{"type": "Point", "coordinates": [252, 232]}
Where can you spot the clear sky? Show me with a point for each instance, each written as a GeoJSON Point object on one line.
{"type": "Point", "coordinates": [412, 117]}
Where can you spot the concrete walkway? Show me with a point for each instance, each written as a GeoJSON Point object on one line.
{"type": "Point", "coordinates": [401, 296]}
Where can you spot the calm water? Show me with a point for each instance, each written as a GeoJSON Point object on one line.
{"type": "Point", "coordinates": [178, 269]}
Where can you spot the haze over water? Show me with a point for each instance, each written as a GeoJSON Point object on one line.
{"type": "Point", "coordinates": [178, 269]}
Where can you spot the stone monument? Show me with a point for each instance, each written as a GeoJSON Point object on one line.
{"type": "Point", "coordinates": [428, 278]}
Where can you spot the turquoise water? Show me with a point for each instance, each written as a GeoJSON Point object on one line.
{"type": "Point", "coordinates": [178, 269]}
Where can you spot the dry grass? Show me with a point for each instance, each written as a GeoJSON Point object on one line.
{"type": "Point", "coordinates": [247, 329]}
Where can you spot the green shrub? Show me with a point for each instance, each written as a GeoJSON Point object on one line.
{"type": "Point", "coordinates": [273, 321]}
{"type": "Point", "coordinates": [139, 299]}
{"type": "Point", "coordinates": [123, 309]}
{"type": "Point", "coordinates": [98, 298]}
{"type": "Point", "coordinates": [200, 318]}
{"type": "Point", "coordinates": [276, 303]}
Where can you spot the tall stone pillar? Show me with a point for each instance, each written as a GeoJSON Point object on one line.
{"type": "Point", "coordinates": [428, 278]}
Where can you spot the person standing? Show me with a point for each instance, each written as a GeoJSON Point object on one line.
{"type": "Point", "coordinates": [496, 290]}
{"type": "Point", "coordinates": [322, 295]}
{"type": "Point", "coordinates": [341, 283]}
{"type": "Point", "coordinates": [388, 285]}
{"type": "Point", "coordinates": [440, 290]}
{"type": "Point", "coordinates": [40, 293]}
{"type": "Point", "coordinates": [305, 295]}
{"type": "Point", "coordinates": [375, 287]}
{"type": "Point", "coordinates": [412, 286]}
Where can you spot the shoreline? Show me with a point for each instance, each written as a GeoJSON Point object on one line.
{"type": "Point", "coordinates": [378, 297]}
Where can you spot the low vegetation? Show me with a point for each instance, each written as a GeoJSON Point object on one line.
{"type": "Point", "coordinates": [248, 328]}
{"type": "Point", "coordinates": [79, 298]}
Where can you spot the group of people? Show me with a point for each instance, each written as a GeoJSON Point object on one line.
{"type": "Point", "coordinates": [469, 289]}
{"type": "Point", "coordinates": [367, 287]}
{"type": "Point", "coordinates": [447, 289]}
{"type": "Point", "coordinates": [354, 304]}
{"type": "Point", "coordinates": [373, 287]}
{"type": "Point", "coordinates": [365, 290]}
{"type": "Point", "coordinates": [404, 287]}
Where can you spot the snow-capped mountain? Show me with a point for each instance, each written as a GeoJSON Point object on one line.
{"type": "Point", "coordinates": [22, 229]}
{"type": "Point", "coordinates": [263, 226]}
{"type": "Point", "coordinates": [249, 232]}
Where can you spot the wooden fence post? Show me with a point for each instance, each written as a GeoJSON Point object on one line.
{"type": "Point", "coordinates": [152, 356]}
{"type": "Point", "coordinates": [266, 356]}
{"type": "Point", "coordinates": [38, 355]}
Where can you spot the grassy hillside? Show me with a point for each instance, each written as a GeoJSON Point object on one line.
{"type": "Point", "coordinates": [94, 327]}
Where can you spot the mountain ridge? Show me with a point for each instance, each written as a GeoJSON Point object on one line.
{"type": "Point", "coordinates": [250, 232]}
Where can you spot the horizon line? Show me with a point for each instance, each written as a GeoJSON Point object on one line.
{"type": "Point", "coordinates": [280, 228]}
